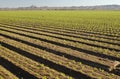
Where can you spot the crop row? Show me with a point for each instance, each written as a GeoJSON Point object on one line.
{"type": "Point", "coordinates": [81, 32]}
{"type": "Point", "coordinates": [98, 22]}
{"type": "Point", "coordinates": [69, 30]}
{"type": "Point", "coordinates": [24, 67]}
{"type": "Point", "coordinates": [116, 42]}
{"type": "Point", "coordinates": [41, 57]}
{"type": "Point", "coordinates": [66, 30]}
{"type": "Point", "coordinates": [78, 36]}
{"type": "Point", "coordinates": [47, 58]}
{"type": "Point", "coordinates": [58, 50]}
{"type": "Point", "coordinates": [69, 44]}
{"type": "Point", "coordinates": [68, 53]}
{"type": "Point", "coordinates": [88, 42]}
{"type": "Point", "coordinates": [5, 74]}
{"type": "Point", "coordinates": [80, 28]}
{"type": "Point", "coordinates": [59, 44]}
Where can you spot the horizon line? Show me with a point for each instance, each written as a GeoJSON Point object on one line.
{"type": "Point", "coordinates": [62, 6]}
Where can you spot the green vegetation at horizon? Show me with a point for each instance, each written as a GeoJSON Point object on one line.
{"type": "Point", "coordinates": [106, 22]}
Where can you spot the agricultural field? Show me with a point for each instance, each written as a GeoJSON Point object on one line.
{"type": "Point", "coordinates": [60, 44]}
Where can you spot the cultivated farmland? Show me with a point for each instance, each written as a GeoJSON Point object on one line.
{"type": "Point", "coordinates": [59, 44]}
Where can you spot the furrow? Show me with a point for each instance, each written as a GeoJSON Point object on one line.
{"type": "Point", "coordinates": [50, 59]}
{"type": "Point", "coordinates": [104, 55]}
{"type": "Point", "coordinates": [82, 41]}
{"type": "Point", "coordinates": [5, 74]}
{"type": "Point", "coordinates": [70, 55]}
